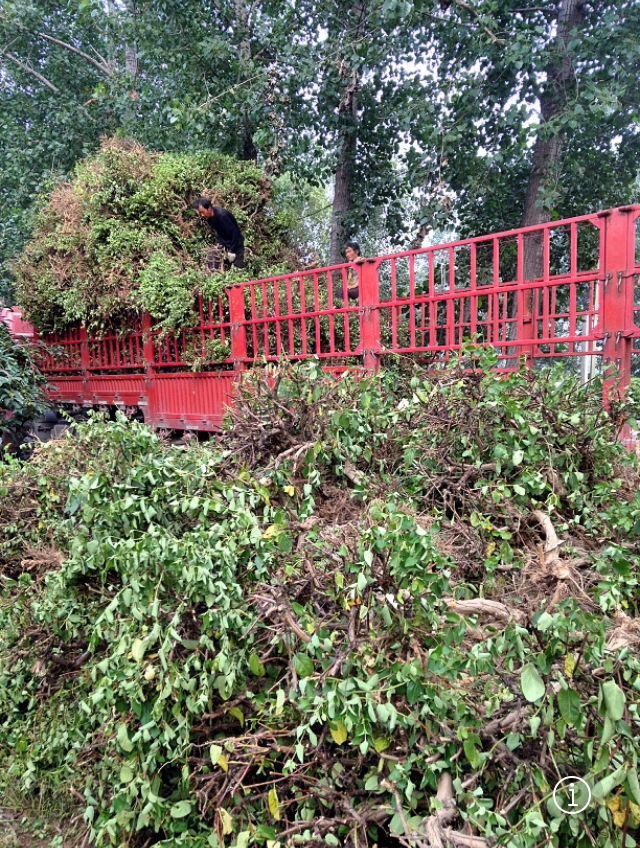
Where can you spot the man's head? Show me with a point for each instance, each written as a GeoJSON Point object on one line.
{"type": "Point", "coordinates": [351, 251]}
{"type": "Point", "coordinates": [203, 207]}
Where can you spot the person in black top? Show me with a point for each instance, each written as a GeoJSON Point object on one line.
{"type": "Point", "coordinates": [225, 227]}
{"type": "Point", "coordinates": [351, 253]}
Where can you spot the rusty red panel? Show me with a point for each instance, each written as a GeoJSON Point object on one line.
{"type": "Point", "coordinates": [187, 401]}
{"type": "Point", "coordinates": [97, 390]}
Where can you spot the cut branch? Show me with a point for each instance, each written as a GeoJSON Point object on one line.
{"type": "Point", "coordinates": [485, 607]}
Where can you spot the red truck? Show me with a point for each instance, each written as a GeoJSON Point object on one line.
{"type": "Point", "coordinates": [581, 302]}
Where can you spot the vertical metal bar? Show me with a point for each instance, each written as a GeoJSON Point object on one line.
{"type": "Point", "coordinates": [303, 320]}
{"type": "Point", "coordinates": [265, 322]}
{"type": "Point", "coordinates": [617, 304]}
{"type": "Point", "coordinates": [544, 292]}
{"type": "Point", "coordinates": [495, 282]}
{"type": "Point", "coordinates": [573, 270]}
{"type": "Point", "coordinates": [433, 315]}
{"type": "Point", "coordinates": [220, 321]}
{"type": "Point", "coordinates": [452, 303]}
{"type": "Point", "coordinates": [412, 303]}
{"type": "Point", "coordinates": [525, 322]}
{"type": "Point", "coordinates": [253, 318]}
{"type": "Point", "coordinates": [147, 345]}
{"type": "Point", "coordinates": [473, 285]}
{"type": "Point", "coordinates": [395, 310]}
{"type": "Point", "coordinates": [237, 327]}
{"type": "Point", "coordinates": [346, 314]}
{"type": "Point", "coordinates": [573, 249]}
{"type": "Point", "coordinates": [276, 312]}
{"type": "Point", "coordinates": [329, 279]}
{"type": "Point", "coordinates": [369, 315]}
{"type": "Point", "coordinates": [290, 323]}
{"type": "Point", "coordinates": [553, 290]}
{"type": "Point", "coordinates": [316, 317]}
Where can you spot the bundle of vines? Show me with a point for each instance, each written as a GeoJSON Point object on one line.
{"type": "Point", "coordinates": [120, 237]}
{"type": "Point", "coordinates": [391, 611]}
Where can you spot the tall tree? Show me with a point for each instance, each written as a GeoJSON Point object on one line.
{"type": "Point", "coordinates": [555, 94]}
{"type": "Point", "coordinates": [539, 109]}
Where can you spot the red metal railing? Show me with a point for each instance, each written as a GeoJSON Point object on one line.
{"type": "Point", "coordinates": [563, 290]}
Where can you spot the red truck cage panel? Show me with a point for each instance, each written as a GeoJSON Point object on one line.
{"type": "Point", "coordinates": [560, 290]}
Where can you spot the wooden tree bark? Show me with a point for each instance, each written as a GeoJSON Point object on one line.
{"type": "Point", "coordinates": [246, 148]}
{"type": "Point", "coordinates": [547, 151]}
{"type": "Point", "coordinates": [347, 142]}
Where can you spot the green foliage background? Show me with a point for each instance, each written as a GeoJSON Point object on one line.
{"type": "Point", "coordinates": [21, 395]}
{"type": "Point", "coordinates": [264, 640]}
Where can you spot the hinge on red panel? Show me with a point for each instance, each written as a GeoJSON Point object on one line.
{"type": "Point", "coordinates": [628, 333]}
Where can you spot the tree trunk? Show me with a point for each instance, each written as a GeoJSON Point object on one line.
{"type": "Point", "coordinates": [343, 190]}
{"type": "Point", "coordinates": [547, 151]}
{"type": "Point", "coordinates": [346, 145]}
{"type": "Point", "coordinates": [246, 148]}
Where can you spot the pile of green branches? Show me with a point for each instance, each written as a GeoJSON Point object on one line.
{"type": "Point", "coordinates": [121, 237]}
{"type": "Point", "coordinates": [389, 611]}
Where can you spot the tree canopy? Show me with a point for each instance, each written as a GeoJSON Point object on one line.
{"type": "Point", "coordinates": [478, 115]}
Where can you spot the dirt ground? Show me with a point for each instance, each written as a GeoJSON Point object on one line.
{"type": "Point", "coordinates": [16, 833]}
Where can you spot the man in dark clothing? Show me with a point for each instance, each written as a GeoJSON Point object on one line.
{"type": "Point", "coordinates": [225, 227]}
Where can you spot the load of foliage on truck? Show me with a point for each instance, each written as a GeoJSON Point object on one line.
{"type": "Point", "coordinates": [121, 237]}
{"type": "Point", "coordinates": [392, 610]}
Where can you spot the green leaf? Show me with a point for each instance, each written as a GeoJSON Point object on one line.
{"type": "Point", "coordinates": [255, 665]}
{"type": "Point", "coordinates": [608, 731]}
{"type": "Point", "coordinates": [544, 621]}
{"type": "Point", "coordinates": [338, 732]}
{"type": "Point", "coordinates": [123, 738]}
{"type": "Point", "coordinates": [517, 457]}
{"type": "Point", "coordinates": [303, 665]}
{"type": "Point", "coordinates": [215, 752]}
{"type": "Point", "coordinates": [380, 743]}
{"type": "Point", "coordinates": [226, 821]}
{"type": "Point", "coordinates": [531, 683]}
{"type": "Point", "coordinates": [633, 785]}
{"type": "Point", "coordinates": [570, 706]}
{"type": "Point", "coordinates": [396, 825]}
{"type": "Point", "coordinates": [237, 713]}
{"type": "Point", "coordinates": [608, 783]}
{"type": "Point", "coordinates": [138, 648]}
{"type": "Point", "coordinates": [180, 810]}
{"type": "Point", "coordinates": [273, 804]}
{"type": "Point", "coordinates": [126, 774]}
{"type": "Point", "coordinates": [471, 753]}
{"type": "Point", "coordinates": [613, 699]}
